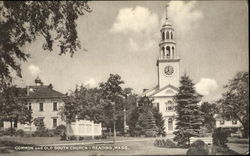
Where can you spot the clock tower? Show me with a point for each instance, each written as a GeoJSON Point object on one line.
{"type": "Point", "coordinates": [168, 62]}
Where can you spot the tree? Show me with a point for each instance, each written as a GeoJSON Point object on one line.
{"type": "Point", "coordinates": [234, 103]}
{"type": "Point", "coordinates": [84, 103]}
{"type": "Point", "coordinates": [146, 119]}
{"type": "Point", "coordinates": [22, 21]}
{"type": "Point", "coordinates": [13, 108]}
{"type": "Point", "coordinates": [189, 116]}
{"type": "Point", "coordinates": [113, 95]}
{"type": "Point", "coordinates": [208, 111]}
{"type": "Point", "coordinates": [160, 122]}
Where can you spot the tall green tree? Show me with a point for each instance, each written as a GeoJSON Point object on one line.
{"type": "Point", "coordinates": [146, 119]}
{"type": "Point", "coordinates": [84, 103]}
{"type": "Point", "coordinates": [189, 117]}
{"type": "Point", "coordinates": [22, 22]}
{"type": "Point", "coordinates": [13, 108]}
{"type": "Point", "coordinates": [235, 100]}
{"type": "Point", "coordinates": [113, 95]}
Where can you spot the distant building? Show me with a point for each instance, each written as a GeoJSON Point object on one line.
{"type": "Point", "coordinates": [233, 125]}
{"type": "Point", "coordinates": [44, 102]}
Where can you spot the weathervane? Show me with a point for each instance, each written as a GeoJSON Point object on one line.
{"type": "Point", "coordinates": [167, 5]}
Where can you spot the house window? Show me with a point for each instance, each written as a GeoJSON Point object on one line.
{"type": "Point", "coordinates": [54, 122]}
{"type": "Point", "coordinates": [29, 106]}
{"type": "Point", "coordinates": [222, 122]}
{"type": "Point", "coordinates": [55, 106]}
{"type": "Point", "coordinates": [15, 124]}
{"type": "Point", "coordinates": [234, 122]}
{"type": "Point", "coordinates": [41, 107]}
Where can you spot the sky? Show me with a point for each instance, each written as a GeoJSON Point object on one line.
{"type": "Point", "coordinates": [122, 37]}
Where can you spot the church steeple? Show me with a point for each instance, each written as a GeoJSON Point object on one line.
{"type": "Point", "coordinates": [167, 44]}
{"type": "Point", "coordinates": [168, 62]}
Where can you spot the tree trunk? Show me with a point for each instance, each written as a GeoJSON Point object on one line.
{"type": "Point", "coordinates": [11, 128]}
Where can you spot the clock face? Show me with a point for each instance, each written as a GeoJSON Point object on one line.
{"type": "Point", "coordinates": [168, 70]}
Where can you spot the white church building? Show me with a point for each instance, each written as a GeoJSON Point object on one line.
{"type": "Point", "coordinates": [168, 64]}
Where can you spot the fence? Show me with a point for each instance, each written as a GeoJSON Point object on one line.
{"type": "Point", "coordinates": [207, 140]}
{"type": "Point", "coordinates": [82, 128]}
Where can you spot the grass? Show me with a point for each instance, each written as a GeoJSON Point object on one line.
{"type": "Point", "coordinates": [131, 146]}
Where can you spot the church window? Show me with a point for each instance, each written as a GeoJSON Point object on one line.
{"type": "Point", "coordinates": [163, 53]}
{"type": "Point", "coordinates": [163, 35]}
{"type": "Point", "coordinates": [167, 35]}
{"type": "Point", "coordinates": [172, 35]}
{"type": "Point", "coordinates": [168, 51]}
{"type": "Point", "coordinates": [173, 51]}
{"type": "Point", "coordinates": [169, 106]}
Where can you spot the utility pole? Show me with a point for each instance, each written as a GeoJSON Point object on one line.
{"type": "Point", "coordinates": [114, 124]}
{"type": "Point", "coordinates": [125, 125]}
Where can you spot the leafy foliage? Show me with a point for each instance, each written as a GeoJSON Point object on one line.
{"type": "Point", "coordinates": [189, 117]}
{"type": "Point", "coordinates": [23, 21]}
{"type": "Point", "coordinates": [234, 102]}
{"type": "Point", "coordinates": [208, 111]}
{"type": "Point", "coordinates": [164, 143]}
{"type": "Point", "coordinates": [97, 104]}
{"type": "Point", "coordinates": [13, 108]}
{"type": "Point", "coordinates": [146, 120]}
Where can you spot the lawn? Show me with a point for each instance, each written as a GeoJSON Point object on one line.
{"type": "Point", "coordinates": [134, 146]}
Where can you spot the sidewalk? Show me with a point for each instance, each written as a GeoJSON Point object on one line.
{"type": "Point", "coordinates": [239, 148]}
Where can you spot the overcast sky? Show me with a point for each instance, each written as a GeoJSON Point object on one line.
{"type": "Point", "coordinates": [123, 38]}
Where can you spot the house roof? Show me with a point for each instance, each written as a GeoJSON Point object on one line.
{"type": "Point", "coordinates": [37, 92]}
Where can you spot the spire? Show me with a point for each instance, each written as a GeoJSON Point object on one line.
{"type": "Point", "coordinates": [167, 11]}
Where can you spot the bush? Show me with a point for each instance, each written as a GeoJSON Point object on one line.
{"type": "Point", "coordinates": [8, 131]}
{"type": "Point", "coordinates": [59, 130]}
{"type": "Point", "coordinates": [63, 136]}
{"type": "Point", "coordinates": [164, 143]}
{"type": "Point", "coordinates": [150, 133]}
{"type": "Point", "coordinates": [198, 148]}
{"type": "Point", "coordinates": [20, 133]}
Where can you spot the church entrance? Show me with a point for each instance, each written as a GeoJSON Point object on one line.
{"type": "Point", "coordinates": [170, 124]}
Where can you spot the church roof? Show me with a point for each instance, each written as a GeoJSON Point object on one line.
{"type": "Point", "coordinates": [156, 90]}
{"type": "Point", "coordinates": [163, 88]}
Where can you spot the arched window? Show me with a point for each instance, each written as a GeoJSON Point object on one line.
{"type": "Point", "coordinates": [168, 51]}
{"type": "Point", "coordinates": [163, 53]}
{"type": "Point", "coordinates": [163, 35]}
{"type": "Point", "coordinates": [172, 35]}
{"type": "Point", "coordinates": [169, 106]}
{"type": "Point", "coordinates": [173, 51]}
{"type": "Point", "coordinates": [167, 35]}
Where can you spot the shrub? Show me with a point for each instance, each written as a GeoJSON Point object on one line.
{"type": "Point", "coordinates": [150, 133]}
{"type": "Point", "coordinates": [63, 136]}
{"type": "Point", "coordinates": [59, 130]}
{"type": "Point", "coordinates": [8, 131]}
{"type": "Point", "coordinates": [198, 148]}
{"type": "Point", "coordinates": [20, 133]}
{"type": "Point", "coordinates": [164, 143]}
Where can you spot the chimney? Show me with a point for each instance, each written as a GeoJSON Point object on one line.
{"type": "Point", "coordinates": [50, 86]}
